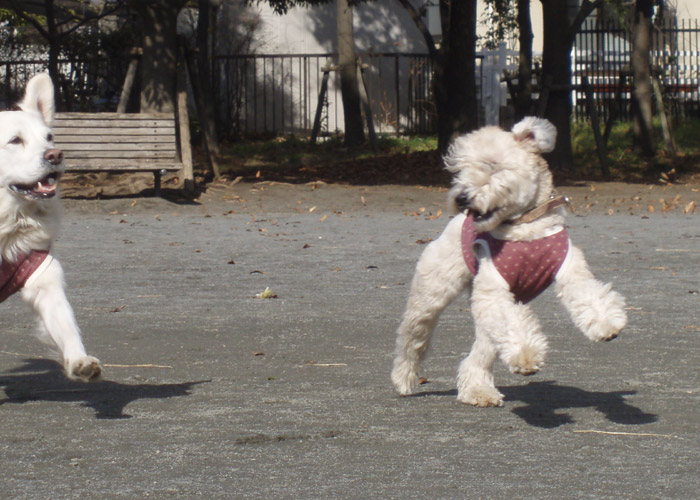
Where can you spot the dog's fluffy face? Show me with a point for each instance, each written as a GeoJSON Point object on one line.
{"type": "Point", "coordinates": [499, 175]}
{"type": "Point", "coordinates": [28, 170]}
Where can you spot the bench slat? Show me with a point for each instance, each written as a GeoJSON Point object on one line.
{"type": "Point", "coordinates": [107, 131]}
{"type": "Point", "coordinates": [133, 154]}
{"type": "Point", "coordinates": [67, 140]}
{"type": "Point", "coordinates": [77, 115]}
{"type": "Point", "coordinates": [98, 148]}
{"type": "Point", "coordinates": [125, 167]}
{"type": "Point", "coordinates": [113, 124]}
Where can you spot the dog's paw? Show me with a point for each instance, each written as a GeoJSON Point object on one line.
{"type": "Point", "coordinates": [608, 327]}
{"type": "Point", "coordinates": [526, 359]}
{"type": "Point", "coordinates": [602, 319]}
{"type": "Point", "coordinates": [481, 396]}
{"type": "Point", "coordinates": [404, 377]}
{"type": "Point", "coordinates": [87, 369]}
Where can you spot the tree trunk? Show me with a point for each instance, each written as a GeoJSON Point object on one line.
{"type": "Point", "coordinates": [523, 103]}
{"type": "Point", "coordinates": [556, 71]}
{"type": "Point", "coordinates": [641, 70]}
{"type": "Point", "coordinates": [455, 73]}
{"type": "Point", "coordinates": [349, 86]}
{"type": "Point", "coordinates": [159, 60]}
{"type": "Point", "coordinates": [559, 34]}
{"type": "Point", "coordinates": [207, 114]}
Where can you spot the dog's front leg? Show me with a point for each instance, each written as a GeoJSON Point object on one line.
{"type": "Point", "coordinates": [502, 327]}
{"type": "Point", "coordinates": [597, 311]}
{"type": "Point", "coordinates": [441, 275]}
{"type": "Point", "coordinates": [475, 384]}
{"type": "Point", "coordinates": [44, 292]}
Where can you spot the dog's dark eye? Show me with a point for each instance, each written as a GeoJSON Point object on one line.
{"type": "Point", "coordinates": [49, 137]}
{"type": "Point", "coordinates": [16, 140]}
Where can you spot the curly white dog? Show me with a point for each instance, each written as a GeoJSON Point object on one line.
{"type": "Point", "coordinates": [512, 232]}
{"type": "Point", "coordinates": [30, 167]}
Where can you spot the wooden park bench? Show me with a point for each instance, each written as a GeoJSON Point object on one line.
{"type": "Point", "coordinates": [118, 142]}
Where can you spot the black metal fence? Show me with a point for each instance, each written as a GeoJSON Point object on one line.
{"type": "Point", "coordinates": [85, 85]}
{"type": "Point", "coordinates": [273, 94]}
{"type": "Point", "coordinates": [603, 54]}
{"type": "Point", "coordinates": [278, 94]}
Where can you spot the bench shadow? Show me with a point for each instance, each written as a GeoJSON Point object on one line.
{"type": "Point", "coordinates": [43, 380]}
{"type": "Point", "coordinates": [545, 404]}
{"type": "Point", "coordinates": [176, 196]}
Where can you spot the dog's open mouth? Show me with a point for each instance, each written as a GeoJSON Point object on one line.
{"type": "Point", "coordinates": [44, 188]}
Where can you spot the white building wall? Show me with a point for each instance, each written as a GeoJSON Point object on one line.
{"type": "Point", "coordinates": [380, 27]}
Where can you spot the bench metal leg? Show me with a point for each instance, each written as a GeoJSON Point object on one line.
{"type": "Point", "coordinates": [157, 174]}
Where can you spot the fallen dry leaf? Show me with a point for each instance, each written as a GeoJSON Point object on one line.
{"type": "Point", "coordinates": [266, 294]}
{"type": "Point", "coordinates": [690, 208]}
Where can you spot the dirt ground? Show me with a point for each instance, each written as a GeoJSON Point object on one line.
{"type": "Point", "coordinates": [273, 192]}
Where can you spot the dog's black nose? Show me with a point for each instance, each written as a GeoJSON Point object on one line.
{"type": "Point", "coordinates": [462, 202]}
{"type": "Point", "coordinates": [53, 156]}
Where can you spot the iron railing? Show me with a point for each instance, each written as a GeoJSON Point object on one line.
{"type": "Point", "coordinates": [279, 94]}
{"type": "Point", "coordinates": [603, 54]}
{"type": "Point", "coordinates": [84, 85]}
{"type": "Point", "coordinates": [273, 94]}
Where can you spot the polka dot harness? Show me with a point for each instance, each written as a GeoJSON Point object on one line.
{"type": "Point", "coordinates": [528, 267]}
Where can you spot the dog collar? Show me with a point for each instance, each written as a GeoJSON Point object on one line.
{"type": "Point", "coordinates": [541, 210]}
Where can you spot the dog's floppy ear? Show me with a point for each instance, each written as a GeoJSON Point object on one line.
{"type": "Point", "coordinates": [539, 130]}
{"type": "Point", "coordinates": [38, 97]}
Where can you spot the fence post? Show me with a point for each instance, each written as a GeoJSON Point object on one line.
{"type": "Point", "coordinates": [495, 62]}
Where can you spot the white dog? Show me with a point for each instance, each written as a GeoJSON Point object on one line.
{"type": "Point", "coordinates": [507, 248]}
{"type": "Point", "coordinates": [30, 167]}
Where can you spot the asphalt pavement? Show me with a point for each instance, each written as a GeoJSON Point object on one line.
{"type": "Point", "coordinates": [213, 392]}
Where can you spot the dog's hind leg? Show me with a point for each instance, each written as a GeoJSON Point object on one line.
{"type": "Point", "coordinates": [597, 311]}
{"type": "Point", "coordinates": [441, 275]}
{"type": "Point", "coordinates": [44, 292]}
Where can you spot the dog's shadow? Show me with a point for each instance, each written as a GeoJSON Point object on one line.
{"type": "Point", "coordinates": [43, 380]}
{"type": "Point", "coordinates": [545, 400]}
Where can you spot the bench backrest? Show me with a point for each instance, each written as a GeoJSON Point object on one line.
{"type": "Point", "coordinates": [117, 141]}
